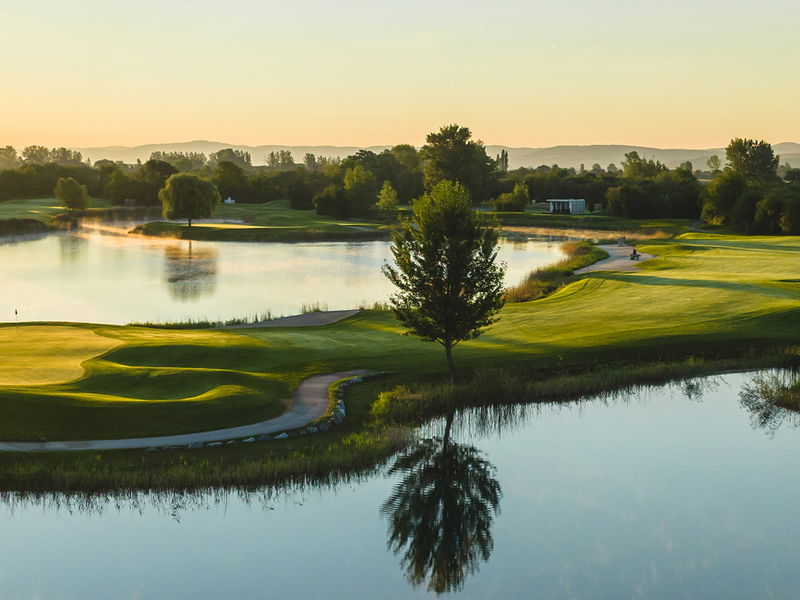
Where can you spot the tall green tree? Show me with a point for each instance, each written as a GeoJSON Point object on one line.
{"type": "Point", "coordinates": [451, 154]}
{"type": "Point", "coordinates": [8, 158]}
{"type": "Point", "coordinates": [387, 197]}
{"type": "Point", "coordinates": [361, 189]}
{"type": "Point", "coordinates": [310, 161]}
{"type": "Point", "coordinates": [231, 181]}
{"type": "Point", "coordinates": [445, 269]}
{"type": "Point", "coordinates": [282, 159]}
{"type": "Point", "coordinates": [751, 159]}
{"type": "Point", "coordinates": [238, 157]}
{"type": "Point", "coordinates": [72, 194]}
{"type": "Point", "coordinates": [36, 155]}
{"type": "Point", "coordinates": [188, 197]}
{"type": "Point", "coordinates": [636, 167]}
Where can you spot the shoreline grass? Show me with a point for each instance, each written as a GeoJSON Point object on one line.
{"type": "Point", "coordinates": [250, 234]}
{"type": "Point", "coordinates": [544, 281]}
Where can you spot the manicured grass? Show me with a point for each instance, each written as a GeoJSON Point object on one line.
{"type": "Point", "coordinates": [270, 222]}
{"type": "Point", "coordinates": [707, 295]}
{"type": "Point", "coordinates": [537, 217]}
{"type": "Point", "coordinates": [353, 450]}
{"type": "Point", "coordinates": [41, 209]}
{"type": "Point", "coordinates": [117, 399]}
{"type": "Point", "coordinates": [546, 280]}
{"type": "Point", "coordinates": [46, 355]}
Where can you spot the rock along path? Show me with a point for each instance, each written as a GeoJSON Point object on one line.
{"type": "Point", "coordinates": [310, 402]}
{"type": "Point", "coordinates": [618, 260]}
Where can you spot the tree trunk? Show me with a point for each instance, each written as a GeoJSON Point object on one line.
{"type": "Point", "coordinates": [448, 350]}
{"type": "Point", "coordinates": [190, 222]}
{"type": "Point", "coordinates": [448, 425]}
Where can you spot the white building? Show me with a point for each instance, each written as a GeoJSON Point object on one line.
{"type": "Point", "coordinates": [567, 206]}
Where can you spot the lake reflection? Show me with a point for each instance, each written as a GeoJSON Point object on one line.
{"type": "Point", "coordinates": [658, 492]}
{"type": "Point", "coordinates": [190, 272]}
{"type": "Point", "coordinates": [773, 400]}
{"type": "Point", "coordinates": [441, 511]}
{"type": "Point", "coordinates": [101, 275]}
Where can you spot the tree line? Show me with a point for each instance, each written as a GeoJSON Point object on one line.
{"type": "Point", "coordinates": [752, 193]}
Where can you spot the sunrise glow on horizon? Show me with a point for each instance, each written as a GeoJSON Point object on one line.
{"type": "Point", "coordinates": [356, 73]}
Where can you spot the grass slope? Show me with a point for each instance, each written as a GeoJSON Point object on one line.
{"type": "Point", "coordinates": [41, 209]}
{"type": "Point", "coordinates": [187, 391]}
{"type": "Point", "coordinates": [46, 355]}
{"type": "Point", "coordinates": [706, 295]}
{"type": "Point", "coordinates": [538, 217]}
{"type": "Point", "coordinates": [270, 222]}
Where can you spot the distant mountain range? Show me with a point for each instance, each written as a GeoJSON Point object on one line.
{"type": "Point", "coordinates": [564, 156]}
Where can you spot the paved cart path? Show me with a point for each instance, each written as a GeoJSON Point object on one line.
{"type": "Point", "coordinates": [618, 260]}
{"type": "Point", "coordinates": [310, 402]}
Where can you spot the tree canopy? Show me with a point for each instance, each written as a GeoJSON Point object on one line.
{"type": "Point", "coordinates": [188, 197]}
{"type": "Point", "coordinates": [72, 194]}
{"type": "Point", "coordinates": [751, 159]}
{"type": "Point", "coordinates": [452, 155]}
{"type": "Point", "coordinates": [445, 269]}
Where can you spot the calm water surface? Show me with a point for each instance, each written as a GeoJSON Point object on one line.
{"type": "Point", "coordinates": [93, 276]}
{"type": "Point", "coordinates": [671, 492]}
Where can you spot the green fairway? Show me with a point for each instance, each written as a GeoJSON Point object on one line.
{"type": "Point", "coordinates": [41, 209]}
{"type": "Point", "coordinates": [538, 217]}
{"type": "Point", "coordinates": [118, 399]}
{"type": "Point", "coordinates": [705, 295]}
{"type": "Point", "coordinates": [43, 355]}
{"type": "Point", "coordinates": [270, 222]}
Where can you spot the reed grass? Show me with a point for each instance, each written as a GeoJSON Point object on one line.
{"type": "Point", "coordinates": [190, 323]}
{"type": "Point", "coordinates": [415, 404]}
{"type": "Point", "coordinates": [548, 279]}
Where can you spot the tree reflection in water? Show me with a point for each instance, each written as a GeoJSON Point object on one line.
{"type": "Point", "coordinates": [440, 513]}
{"type": "Point", "coordinates": [72, 248]}
{"type": "Point", "coordinates": [773, 399]}
{"type": "Point", "coordinates": [190, 272]}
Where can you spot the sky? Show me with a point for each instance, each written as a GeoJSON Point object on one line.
{"type": "Point", "coordinates": [690, 74]}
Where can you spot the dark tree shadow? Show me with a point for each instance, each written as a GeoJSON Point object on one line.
{"type": "Point", "coordinates": [190, 272]}
{"type": "Point", "coordinates": [441, 512]}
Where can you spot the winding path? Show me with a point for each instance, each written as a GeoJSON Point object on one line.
{"type": "Point", "coordinates": [310, 402]}
{"type": "Point", "coordinates": [618, 260]}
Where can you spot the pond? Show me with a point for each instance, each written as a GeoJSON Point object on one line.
{"type": "Point", "coordinates": [679, 491]}
{"type": "Point", "coordinates": [104, 276]}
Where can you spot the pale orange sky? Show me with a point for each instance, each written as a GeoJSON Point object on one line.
{"type": "Point", "coordinates": [691, 74]}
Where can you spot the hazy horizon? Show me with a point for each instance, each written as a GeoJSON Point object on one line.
{"type": "Point", "coordinates": [355, 73]}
